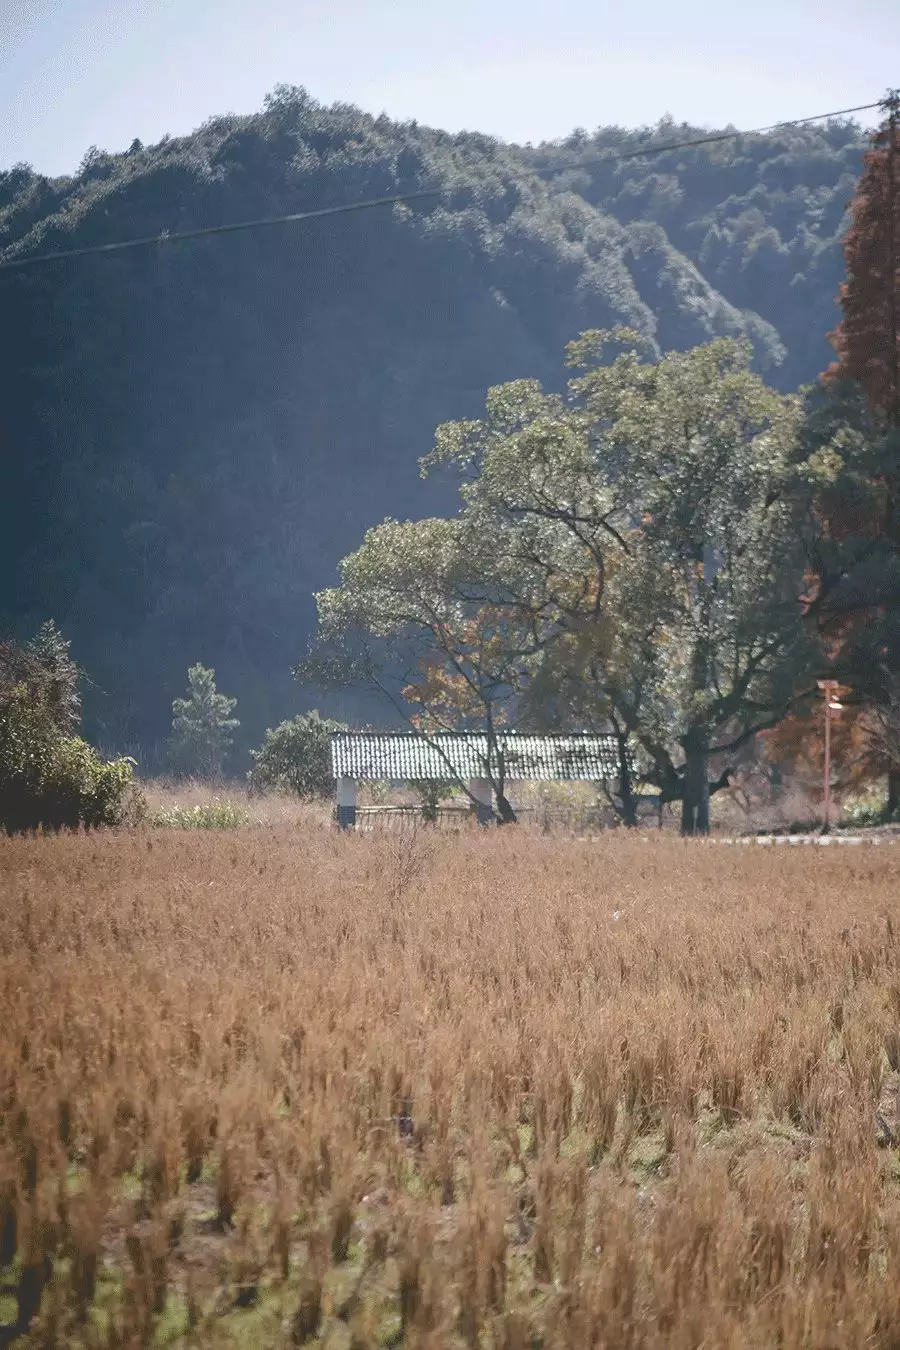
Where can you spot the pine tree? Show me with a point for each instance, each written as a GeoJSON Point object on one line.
{"type": "Point", "coordinates": [57, 674]}
{"type": "Point", "coordinates": [202, 725]}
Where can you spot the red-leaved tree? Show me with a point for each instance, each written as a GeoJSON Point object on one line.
{"type": "Point", "coordinates": [861, 514]}
{"type": "Point", "coordinates": [867, 340]}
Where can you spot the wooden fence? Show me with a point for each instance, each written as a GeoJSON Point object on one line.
{"type": "Point", "coordinates": [460, 816]}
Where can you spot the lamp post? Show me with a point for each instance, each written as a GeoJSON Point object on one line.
{"type": "Point", "coordinates": [832, 711]}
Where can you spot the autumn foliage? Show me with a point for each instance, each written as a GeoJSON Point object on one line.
{"type": "Point", "coordinates": [852, 595]}
{"type": "Point", "coordinates": [798, 744]}
{"type": "Point", "coordinates": [867, 340]}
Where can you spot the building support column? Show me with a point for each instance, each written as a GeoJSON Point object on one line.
{"type": "Point", "coordinates": [345, 796]}
{"type": "Point", "coordinates": [483, 793]}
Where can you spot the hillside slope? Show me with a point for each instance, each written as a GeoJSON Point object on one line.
{"type": "Point", "coordinates": [194, 434]}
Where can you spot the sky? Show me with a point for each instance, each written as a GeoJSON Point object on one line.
{"type": "Point", "coordinates": [77, 73]}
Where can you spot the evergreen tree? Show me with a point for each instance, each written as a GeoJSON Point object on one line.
{"type": "Point", "coordinates": [50, 777]}
{"type": "Point", "coordinates": [50, 653]}
{"type": "Point", "coordinates": [202, 725]}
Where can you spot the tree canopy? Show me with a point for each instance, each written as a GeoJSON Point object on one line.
{"type": "Point", "coordinates": [295, 757]}
{"type": "Point", "coordinates": [632, 553]}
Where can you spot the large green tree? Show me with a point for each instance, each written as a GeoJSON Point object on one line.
{"type": "Point", "coordinates": [678, 478]}
{"type": "Point", "coordinates": [296, 757]}
{"type": "Point", "coordinates": [49, 776]}
{"type": "Point", "coordinates": [639, 549]}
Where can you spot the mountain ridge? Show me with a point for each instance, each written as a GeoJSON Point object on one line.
{"type": "Point", "coordinates": [196, 433]}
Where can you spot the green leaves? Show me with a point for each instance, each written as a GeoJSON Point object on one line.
{"type": "Point", "coordinates": [49, 652]}
{"type": "Point", "coordinates": [202, 725]}
{"type": "Point", "coordinates": [49, 779]}
{"type": "Point", "coordinates": [296, 757]}
{"type": "Point", "coordinates": [634, 551]}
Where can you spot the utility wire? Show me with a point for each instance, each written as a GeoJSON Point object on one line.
{"type": "Point", "coordinates": [296, 217]}
{"type": "Point", "coordinates": [713, 140]}
{"type": "Point", "coordinates": [176, 235]}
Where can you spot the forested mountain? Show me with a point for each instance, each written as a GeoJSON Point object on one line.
{"type": "Point", "coordinates": [194, 434]}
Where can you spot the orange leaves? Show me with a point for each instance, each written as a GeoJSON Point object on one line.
{"type": "Point", "coordinates": [465, 674]}
{"type": "Point", "coordinates": [442, 695]}
{"type": "Point", "coordinates": [867, 340]}
{"type": "Point", "coordinates": [797, 746]}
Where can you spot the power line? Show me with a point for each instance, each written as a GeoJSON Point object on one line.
{"type": "Point", "coordinates": [298, 217]}
{"type": "Point", "coordinates": [234, 227]}
{"type": "Point", "coordinates": [718, 137]}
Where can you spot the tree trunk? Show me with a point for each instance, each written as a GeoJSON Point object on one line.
{"type": "Point", "coordinates": [628, 810]}
{"type": "Point", "coordinates": [505, 814]}
{"type": "Point", "coordinates": [703, 804]}
{"type": "Point", "coordinates": [695, 802]}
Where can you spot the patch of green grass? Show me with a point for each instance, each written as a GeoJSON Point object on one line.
{"type": "Point", "coordinates": [257, 1326]}
{"type": "Point", "coordinates": [778, 1128]}
{"type": "Point", "coordinates": [648, 1154]}
{"type": "Point", "coordinates": [341, 1288]}
{"type": "Point", "coordinates": [131, 1184]}
{"type": "Point", "coordinates": [173, 1322]}
{"type": "Point", "coordinates": [214, 815]}
{"type": "Point", "coordinates": [388, 1328]}
{"type": "Point", "coordinates": [107, 1299]}
{"type": "Point", "coordinates": [710, 1124]}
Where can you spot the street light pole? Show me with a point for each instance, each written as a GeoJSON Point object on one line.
{"type": "Point", "coordinates": [832, 710]}
{"type": "Point", "coordinates": [827, 825]}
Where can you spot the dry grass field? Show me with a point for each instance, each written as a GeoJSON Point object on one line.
{"type": "Point", "coordinates": [279, 1086]}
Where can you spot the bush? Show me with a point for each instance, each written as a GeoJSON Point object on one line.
{"type": "Point", "coordinates": [296, 757]}
{"type": "Point", "coordinates": [865, 812]}
{"type": "Point", "coordinates": [54, 780]}
{"type": "Point", "coordinates": [214, 815]}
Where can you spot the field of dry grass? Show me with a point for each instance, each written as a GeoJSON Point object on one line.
{"type": "Point", "coordinates": [281, 1086]}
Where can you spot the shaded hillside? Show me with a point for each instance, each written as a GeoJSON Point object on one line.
{"type": "Point", "coordinates": [192, 435]}
{"type": "Point", "coordinates": [760, 217]}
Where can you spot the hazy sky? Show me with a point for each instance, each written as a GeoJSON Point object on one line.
{"type": "Point", "coordinates": [79, 72]}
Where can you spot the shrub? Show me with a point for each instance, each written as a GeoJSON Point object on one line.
{"type": "Point", "coordinates": [865, 811]}
{"type": "Point", "coordinates": [54, 780]}
{"type": "Point", "coordinates": [214, 815]}
{"type": "Point", "coordinates": [296, 757]}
